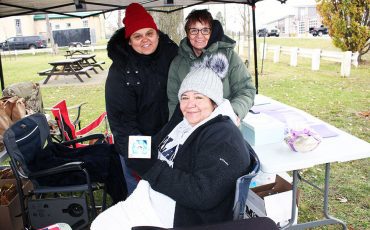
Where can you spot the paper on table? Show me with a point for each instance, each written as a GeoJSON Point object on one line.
{"type": "Point", "coordinates": [323, 130]}
{"type": "Point", "coordinates": [266, 107]}
{"type": "Point", "coordinates": [289, 117]}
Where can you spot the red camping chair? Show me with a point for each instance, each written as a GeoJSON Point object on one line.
{"type": "Point", "coordinates": [68, 129]}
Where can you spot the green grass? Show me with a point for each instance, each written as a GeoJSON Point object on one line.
{"type": "Point", "coordinates": [309, 43]}
{"type": "Point", "coordinates": [322, 93]}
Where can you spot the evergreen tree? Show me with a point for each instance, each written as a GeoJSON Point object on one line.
{"type": "Point", "coordinates": [348, 23]}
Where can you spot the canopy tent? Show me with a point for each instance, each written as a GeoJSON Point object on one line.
{"type": "Point", "coordinates": [66, 7]}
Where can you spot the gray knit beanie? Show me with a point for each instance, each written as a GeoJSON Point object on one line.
{"type": "Point", "coordinates": [205, 78]}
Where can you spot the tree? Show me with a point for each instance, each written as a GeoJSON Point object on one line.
{"type": "Point", "coordinates": [171, 24]}
{"type": "Point", "coordinates": [348, 23]}
{"type": "Point", "coordinates": [245, 20]}
{"type": "Point", "coordinates": [50, 34]}
{"type": "Point", "coordinates": [220, 18]}
{"type": "Point", "coordinates": [119, 19]}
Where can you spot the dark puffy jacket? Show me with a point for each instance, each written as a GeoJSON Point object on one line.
{"type": "Point", "coordinates": [206, 167]}
{"type": "Point", "coordinates": [237, 84]}
{"type": "Point", "coordinates": [135, 91]}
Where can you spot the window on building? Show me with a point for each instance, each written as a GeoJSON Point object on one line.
{"type": "Point", "coordinates": [18, 27]}
{"type": "Point", "coordinates": [68, 25]}
{"type": "Point", "coordinates": [301, 27]}
{"type": "Point", "coordinates": [313, 23]}
{"type": "Point", "coordinates": [57, 26]}
{"type": "Point", "coordinates": [85, 23]}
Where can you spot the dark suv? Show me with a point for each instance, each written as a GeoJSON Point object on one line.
{"type": "Point", "coordinates": [265, 32]}
{"type": "Point", "coordinates": [23, 42]}
{"type": "Point", "coordinates": [318, 31]}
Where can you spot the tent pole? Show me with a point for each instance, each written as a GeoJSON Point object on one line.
{"type": "Point", "coordinates": [255, 46]}
{"type": "Point", "coordinates": [1, 75]}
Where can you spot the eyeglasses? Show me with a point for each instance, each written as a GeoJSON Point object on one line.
{"type": "Point", "coordinates": [195, 31]}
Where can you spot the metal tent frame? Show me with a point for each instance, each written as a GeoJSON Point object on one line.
{"type": "Point", "coordinates": [67, 7]}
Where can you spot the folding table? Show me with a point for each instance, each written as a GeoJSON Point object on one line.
{"type": "Point", "coordinates": [277, 157]}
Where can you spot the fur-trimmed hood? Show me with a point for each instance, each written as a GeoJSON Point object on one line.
{"type": "Point", "coordinates": [119, 49]}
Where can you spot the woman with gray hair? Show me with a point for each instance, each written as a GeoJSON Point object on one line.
{"type": "Point", "coordinates": [190, 178]}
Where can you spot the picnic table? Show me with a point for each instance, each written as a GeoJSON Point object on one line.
{"type": "Point", "coordinates": [66, 67]}
{"type": "Point", "coordinates": [73, 51]}
{"type": "Point", "coordinates": [89, 60]}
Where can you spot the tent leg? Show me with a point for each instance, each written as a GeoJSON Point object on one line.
{"type": "Point", "coordinates": [255, 46]}
{"type": "Point", "coordinates": [1, 75]}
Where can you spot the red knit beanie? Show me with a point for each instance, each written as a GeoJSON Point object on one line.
{"type": "Point", "coordinates": [137, 18]}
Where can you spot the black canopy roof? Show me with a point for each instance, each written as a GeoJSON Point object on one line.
{"type": "Point", "coordinates": [21, 7]}
{"type": "Point", "coordinates": [24, 7]}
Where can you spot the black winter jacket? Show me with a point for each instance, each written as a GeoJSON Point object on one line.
{"type": "Point", "coordinates": [206, 167]}
{"type": "Point", "coordinates": [100, 160]}
{"type": "Point", "coordinates": [135, 90]}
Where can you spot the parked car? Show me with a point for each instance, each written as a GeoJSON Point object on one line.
{"type": "Point", "coordinates": [268, 33]}
{"type": "Point", "coordinates": [23, 42]}
{"type": "Point", "coordinates": [318, 31]}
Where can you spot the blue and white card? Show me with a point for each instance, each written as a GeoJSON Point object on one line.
{"type": "Point", "coordinates": [139, 147]}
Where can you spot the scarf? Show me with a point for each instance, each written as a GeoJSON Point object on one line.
{"type": "Point", "coordinates": [177, 137]}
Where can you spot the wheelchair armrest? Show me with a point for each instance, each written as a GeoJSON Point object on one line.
{"type": "Point", "coordinates": [98, 136]}
{"type": "Point", "coordinates": [68, 167]}
{"type": "Point", "coordinates": [78, 107]}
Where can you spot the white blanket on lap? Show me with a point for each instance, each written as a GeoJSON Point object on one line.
{"type": "Point", "coordinates": [144, 207]}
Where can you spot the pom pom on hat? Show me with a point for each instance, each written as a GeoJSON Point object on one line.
{"type": "Point", "coordinates": [137, 18]}
{"type": "Point", "coordinates": [205, 78]}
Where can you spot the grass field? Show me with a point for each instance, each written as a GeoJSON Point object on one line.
{"type": "Point", "coordinates": [324, 94]}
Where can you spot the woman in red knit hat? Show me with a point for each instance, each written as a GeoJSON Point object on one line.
{"type": "Point", "coordinates": [135, 90]}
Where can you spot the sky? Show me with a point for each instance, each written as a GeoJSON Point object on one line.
{"type": "Point", "coordinates": [266, 11]}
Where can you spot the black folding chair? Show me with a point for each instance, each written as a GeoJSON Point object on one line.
{"type": "Point", "coordinates": [242, 186]}
{"type": "Point", "coordinates": [46, 204]}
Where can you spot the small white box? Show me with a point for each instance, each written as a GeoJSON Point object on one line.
{"type": "Point", "coordinates": [272, 200]}
{"type": "Point", "coordinates": [260, 129]}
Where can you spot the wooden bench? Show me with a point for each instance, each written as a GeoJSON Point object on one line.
{"type": "Point", "coordinates": [58, 72]}
{"type": "Point", "coordinates": [98, 64]}
{"type": "Point", "coordinates": [84, 70]}
{"type": "Point", "coordinates": [45, 72]}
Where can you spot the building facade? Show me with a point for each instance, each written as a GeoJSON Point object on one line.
{"type": "Point", "coordinates": [36, 25]}
{"type": "Point", "coordinates": [297, 24]}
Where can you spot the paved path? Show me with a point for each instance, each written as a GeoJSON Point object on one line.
{"type": "Point", "coordinates": [71, 80]}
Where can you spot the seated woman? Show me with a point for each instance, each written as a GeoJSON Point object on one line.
{"type": "Point", "coordinates": [190, 179]}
